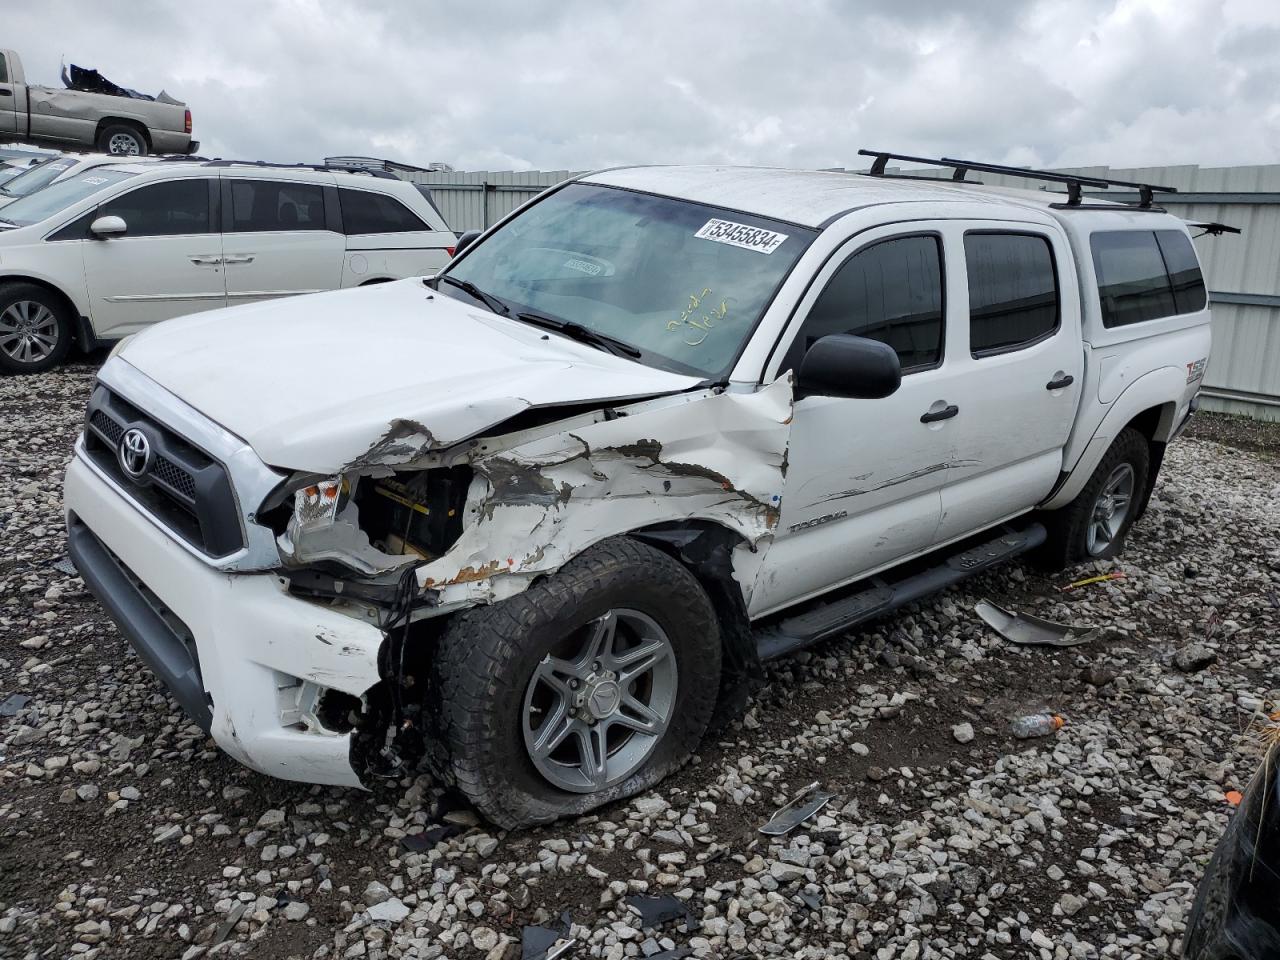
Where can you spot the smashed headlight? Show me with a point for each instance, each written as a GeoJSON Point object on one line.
{"type": "Point", "coordinates": [370, 524]}
{"type": "Point", "coordinates": [325, 525]}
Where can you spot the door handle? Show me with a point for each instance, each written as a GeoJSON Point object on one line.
{"type": "Point", "coordinates": [1064, 381]}
{"type": "Point", "coordinates": [946, 413]}
{"type": "Point", "coordinates": [205, 260]}
{"type": "Point", "coordinates": [6, 93]}
{"type": "Point", "coordinates": [237, 259]}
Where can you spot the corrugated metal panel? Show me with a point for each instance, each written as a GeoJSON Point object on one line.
{"type": "Point", "coordinates": [473, 200]}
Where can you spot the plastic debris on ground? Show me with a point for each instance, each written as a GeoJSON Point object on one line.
{"type": "Point", "coordinates": [11, 704]}
{"type": "Point", "coordinates": [1236, 914]}
{"type": "Point", "coordinates": [66, 566]}
{"type": "Point", "coordinates": [658, 910]}
{"type": "Point", "coordinates": [548, 942]}
{"type": "Point", "coordinates": [800, 808]}
{"type": "Point", "coordinates": [1026, 630]}
{"type": "Point", "coordinates": [1101, 578]}
{"type": "Point", "coordinates": [427, 839]}
{"type": "Point", "coordinates": [1031, 725]}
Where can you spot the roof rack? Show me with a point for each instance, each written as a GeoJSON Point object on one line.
{"type": "Point", "coordinates": [1074, 182]}
{"type": "Point", "coordinates": [388, 166]}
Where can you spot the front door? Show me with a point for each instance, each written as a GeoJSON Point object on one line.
{"type": "Point", "coordinates": [864, 477]}
{"type": "Point", "coordinates": [1024, 363]}
{"type": "Point", "coordinates": [277, 240]}
{"type": "Point", "coordinates": [167, 264]}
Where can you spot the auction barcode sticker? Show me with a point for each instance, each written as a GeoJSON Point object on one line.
{"type": "Point", "coordinates": [741, 235]}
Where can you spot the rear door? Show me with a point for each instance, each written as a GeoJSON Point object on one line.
{"type": "Point", "coordinates": [8, 98]}
{"type": "Point", "coordinates": [278, 240]}
{"type": "Point", "coordinates": [166, 265]}
{"type": "Point", "coordinates": [1024, 368]}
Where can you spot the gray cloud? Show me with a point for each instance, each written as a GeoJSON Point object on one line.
{"type": "Point", "coordinates": [573, 85]}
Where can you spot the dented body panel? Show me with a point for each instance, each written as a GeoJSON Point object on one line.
{"type": "Point", "coordinates": [427, 455]}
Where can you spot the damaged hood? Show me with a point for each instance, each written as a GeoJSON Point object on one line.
{"type": "Point", "coordinates": [374, 376]}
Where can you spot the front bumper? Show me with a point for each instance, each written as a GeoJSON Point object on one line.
{"type": "Point", "coordinates": [234, 648]}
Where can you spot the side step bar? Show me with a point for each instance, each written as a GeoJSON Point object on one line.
{"type": "Point", "coordinates": [821, 619]}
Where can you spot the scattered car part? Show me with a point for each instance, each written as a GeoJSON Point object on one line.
{"type": "Point", "coordinates": [799, 809]}
{"type": "Point", "coordinates": [66, 566]}
{"type": "Point", "coordinates": [1028, 630]}
{"type": "Point", "coordinates": [1236, 914]}
{"type": "Point", "coordinates": [547, 942]}
{"type": "Point", "coordinates": [13, 703]}
{"type": "Point", "coordinates": [658, 910]}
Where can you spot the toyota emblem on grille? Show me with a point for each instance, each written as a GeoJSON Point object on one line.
{"type": "Point", "coordinates": [135, 453]}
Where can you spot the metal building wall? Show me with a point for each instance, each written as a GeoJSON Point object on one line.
{"type": "Point", "coordinates": [478, 199]}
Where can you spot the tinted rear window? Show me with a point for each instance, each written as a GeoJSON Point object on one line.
{"type": "Point", "coordinates": [364, 211]}
{"type": "Point", "coordinates": [270, 206]}
{"type": "Point", "coordinates": [1013, 290]}
{"type": "Point", "coordinates": [1143, 275]}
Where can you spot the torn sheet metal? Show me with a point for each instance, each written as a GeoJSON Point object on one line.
{"type": "Point", "coordinates": [1027, 630]}
{"type": "Point", "coordinates": [799, 809]}
{"type": "Point", "coordinates": [713, 456]}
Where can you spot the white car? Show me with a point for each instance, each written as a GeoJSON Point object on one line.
{"type": "Point", "coordinates": [40, 175]}
{"type": "Point", "coordinates": [105, 253]}
{"type": "Point", "coordinates": [531, 519]}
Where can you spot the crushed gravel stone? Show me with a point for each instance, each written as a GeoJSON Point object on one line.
{"type": "Point", "coordinates": [125, 833]}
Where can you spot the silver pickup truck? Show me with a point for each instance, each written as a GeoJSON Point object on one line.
{"type": "Point", "coordinates": [90, 111]}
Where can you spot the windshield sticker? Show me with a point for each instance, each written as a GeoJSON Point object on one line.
{"type": "Point", "coordinates": [741, 235]}
{"type": "Point", "coordinates": [700, 326]}
{"type": "Point", "coordinates": [94, 180]}
{"type": "Point", "coordinates": [583, 266]}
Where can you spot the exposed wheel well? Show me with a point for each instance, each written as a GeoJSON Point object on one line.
{"type": "Point", "coordinates": [706, 550]}
{"type": "Point", "coordinates": [80, 325]}
{"type": "Point", "coordinates": [122, 122]}
{"type": "Point", "coordinates": [1153, 422]}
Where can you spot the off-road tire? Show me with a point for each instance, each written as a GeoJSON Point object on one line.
{"type": "Point", "coordinates": [1067, 527]}
{"type": "Point", "coordinates": [124, 130]}
{"type": "Point", "coordinates": [16, 293]}
{"type": "Point", "coordinates": [487, 654]}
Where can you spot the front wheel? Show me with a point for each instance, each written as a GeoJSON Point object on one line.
{"type": "Point", "coordinates": [35, 329]}
{"type": "Point", "coordinates": [592, 685]}
{"type": "Point", "coordinates": [1094, 525]}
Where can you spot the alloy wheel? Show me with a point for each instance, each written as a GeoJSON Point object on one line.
{"type": "Point", "coordinates": [28, 331]}
{"type": "Point", "coordinates": [1110, 510]}
{"type": "Point", "coordinates": [593, 715]}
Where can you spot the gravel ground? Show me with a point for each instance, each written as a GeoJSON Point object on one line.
{"type": "Point", "coordinates": [125, 833]}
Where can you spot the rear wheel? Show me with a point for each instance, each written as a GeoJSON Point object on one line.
{"type": "Point", "coordinates": [1094, 525]}
{"type": "Point", "coordinates": [35, 329]}
{"type": "Point", "coordinates": [122, 140]}
{"type": "Point", "coordinates": [590, 686]}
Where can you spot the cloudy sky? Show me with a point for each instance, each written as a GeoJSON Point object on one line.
{"type": "Point", "coordinates": [578, 83]}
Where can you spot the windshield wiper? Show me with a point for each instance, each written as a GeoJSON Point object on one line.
{"type": "Point", "coordinates": [577, 331]}
{"type": "Point", "coordinates": [466, 286]}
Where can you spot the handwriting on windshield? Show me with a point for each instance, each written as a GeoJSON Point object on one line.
{"type": "Point", "coordinates": [700, 316]}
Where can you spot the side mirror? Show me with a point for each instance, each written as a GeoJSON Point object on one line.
{"type": "Point", "coordinates": [843, 365]}
{"type": "Point", "coordinates": [104, 228]}
{"type": "Point", "coordinates": [464, 241]}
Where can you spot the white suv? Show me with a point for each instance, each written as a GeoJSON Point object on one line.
{"type": "Point", "coordinates": [98, 256]}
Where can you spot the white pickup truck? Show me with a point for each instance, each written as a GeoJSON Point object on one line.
{"type": "Point", "coordinates": [522, 521]}
{"type": "Point", "coordinates": [91, 112]}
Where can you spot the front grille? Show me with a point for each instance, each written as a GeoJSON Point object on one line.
{"type": "Point", "coordinates": [184, 487]}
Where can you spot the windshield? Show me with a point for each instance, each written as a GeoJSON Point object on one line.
{"type": "Point", "coordinates": [41, 175]}
{"type": "Point", "coordinates": [684, 282]}
{"type": "Point", "coordinates": [58, 196]}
